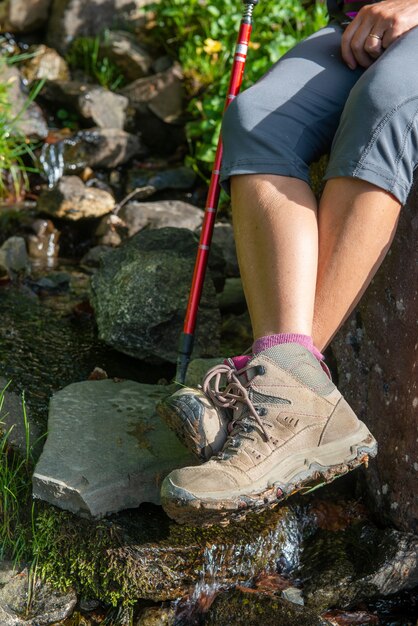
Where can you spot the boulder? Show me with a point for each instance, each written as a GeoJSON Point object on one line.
{"type": "Point", "coordinates": [139, 215]}
{"type": "Point", "coordinates": [140, 294]}
{"type": "Point", "coordinates": [75, 18]}
{"type": "Point", "coordinates": [70, 199]}
{"type": "Point", "coordinates": [95, 105]}
{"type": "Point", "coordinates": [377, 355]}
{"type": "Point", "coordinates": [46, 64]}
{"type": "Point", "coordinates": [107, 449]}
{"type": "Point", "coordinates": [27, 15]}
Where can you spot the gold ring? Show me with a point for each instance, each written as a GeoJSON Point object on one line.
{"type": "Point", "coordinates": [375, 36]}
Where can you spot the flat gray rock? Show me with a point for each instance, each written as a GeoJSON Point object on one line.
{"type": "Point", "coordinates": [107, 448]}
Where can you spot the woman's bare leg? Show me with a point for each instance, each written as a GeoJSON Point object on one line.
{"type": "Point", "coordinates": [288, 288]}
{"type": "Point", "coordinates": [357, 222]}
{"type": "Point", "coordinates": [276, 234]}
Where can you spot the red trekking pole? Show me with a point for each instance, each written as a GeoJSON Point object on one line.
{"type": "Point", "coordinates": [187, 336]}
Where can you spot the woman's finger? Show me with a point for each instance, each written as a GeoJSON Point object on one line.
{"type": "Point", "coordinates": [373, 44]}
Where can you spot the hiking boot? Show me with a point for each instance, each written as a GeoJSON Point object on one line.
{"type": "Point", "coordinates": [201, 426]}
{"type": "Point", "coordinates": [292, 430]}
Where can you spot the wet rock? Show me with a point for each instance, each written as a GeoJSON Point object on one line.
{"type": "Point", "coordinates": [46, 64]}
{"type": "Point", "coordinates": [157, 616]}
{"type": "Point", "coordinates": [252, 609]}
{"type": "Point", "coordinates": [345, 567]}
{"type": "Point", "coordinates": [377, 354]}
{"type": "Point", "coordinates": [70, 199]}
{"type": "Point", "coordinates": [96, 105]}
{"type": "Point", "coordinates": [13, 256]}
{"type": "Point", "coordinates": [43, 244]}
{"type": "Point", "coordinates": [161, 93]}
{"type": "Point", "coordinates": [27, 15]}
{"type": "Point", "coordinates": [31, 121]}
{"type": "Point", "coordinates": [140, 295]}
{"type": "Point", "coordinates": [123, 49]}
{"type": "Point", "coordinates": [111, 231]}
{"type": "Point", "coordinates": [142, 554]}
{"type": "Point", "coordinates": [106, 147]}
{"type": "Point", "coordinates": [46, 606]}
{"type": "Point", "coordinates": [75, 18]}
{"type": "Point", "coordinates": [107, 449]}
{"type": "Point", "coordinates": [139, 215]}
{"type": "Point", "coordinates": [145, 183]}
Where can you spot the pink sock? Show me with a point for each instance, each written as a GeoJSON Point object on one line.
{"type": "Point", "coordinates": [268, 341]}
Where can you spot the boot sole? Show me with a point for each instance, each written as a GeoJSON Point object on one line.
{"type": "Point", "coordinates": [187, 430]}
{"type": "Point", "coordinates": [319, 466]}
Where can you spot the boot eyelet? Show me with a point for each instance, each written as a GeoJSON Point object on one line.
{"type": "Point", "coordinates": [261, 411]}
{"type": "Point", "coordinates": [261, 370]}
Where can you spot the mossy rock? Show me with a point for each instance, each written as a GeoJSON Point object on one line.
{"type": "Point", "coordinates": [141, 554]}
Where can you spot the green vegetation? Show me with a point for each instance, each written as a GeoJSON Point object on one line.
{"type": "Point", "coordinates": [85, 54]}
{"type": "Point", "coordinates": [15, 493]}
{"type": "Point", "coordinates": [201, 34]}
{"type": "Point", "coordinates": [16, 152]}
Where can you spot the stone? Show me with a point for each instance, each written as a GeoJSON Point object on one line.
{"type": "Point", "coordinates": [92, 259]}
{"type": "Point", "coordinates": [161, 93]}
{"type": "Point", "coordinates": [228, 608]}
{"type": "Point", "coordinates": [223, 236]}
{"type": "Point", "coordinates": [111, 231]}
{"type": "Point", "coordinates": [107, 449]}
{"type": "Point", "coordinates": [141, 554]}
{"type": "Point", "coordinates": [13, 256]}
{"type": "Point", "coordinates": [8, 570]}
{"type": "Point", "coordinates": [123, 49]}
{"type": "Point", "coordinates": [70, 199]}
{"type": "Point", "coordinates": [47, 605]}
{"type": "Point", "coordinates": [140, 294]}
{"type": "Point", "coordinates": [76, 18]}
{"type": "Point", "coordinates": [346, 567]}
{"type": "Point", "coordinates": [377, 356]}
{"type": "Point", "coordinates": [31, 121]}
{"type": "Point", "coordinates": [157, 616]}
{"type": "Point", "coordinates": [139, 215]}
{"type": "Point", "coordinates": [43, 243]}
{"type": "Point", "coordinates": [28, 15]}
{"type": "Point", "coordinates": [96, 105]}
{"type": "Point", "coordinates": [96, 148]}
{"type": "Point", "coordinates": [145, 183]}
{"type": "Point", "coordinates": [45, 64]}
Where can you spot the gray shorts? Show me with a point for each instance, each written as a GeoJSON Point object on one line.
{"type": "Point", "coordinates": [310, 103]}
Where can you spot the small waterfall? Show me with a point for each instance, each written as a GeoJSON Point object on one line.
{"type": "Point", "coordinates": [52, 162]}
{"type": "Point", "coordinates": [225, 566]}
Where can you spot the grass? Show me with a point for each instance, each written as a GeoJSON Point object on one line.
{"type": "Point", "coordinates": [16, 151]}
{"type": "Point", "coordinates": [16, 511]}
{"type": "Point", "coordinates": [85, 54]}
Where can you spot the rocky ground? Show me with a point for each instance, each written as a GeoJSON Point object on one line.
{"type": "Point", "coordinates": [95, 263]}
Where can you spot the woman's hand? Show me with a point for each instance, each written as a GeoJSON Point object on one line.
{"type": "Point", "coordinates": [375, 28]}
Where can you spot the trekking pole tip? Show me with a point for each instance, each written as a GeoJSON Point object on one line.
{"type": "Point", "coordinates": [183, 360]}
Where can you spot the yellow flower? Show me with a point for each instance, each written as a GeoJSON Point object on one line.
{"type": "Point", "coordinates": [254, 45]}
{"type": "Point", "coordinates": [211, 46]}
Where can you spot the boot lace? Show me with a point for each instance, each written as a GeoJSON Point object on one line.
{"type": "Point", "coordinates": [234, 395]}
